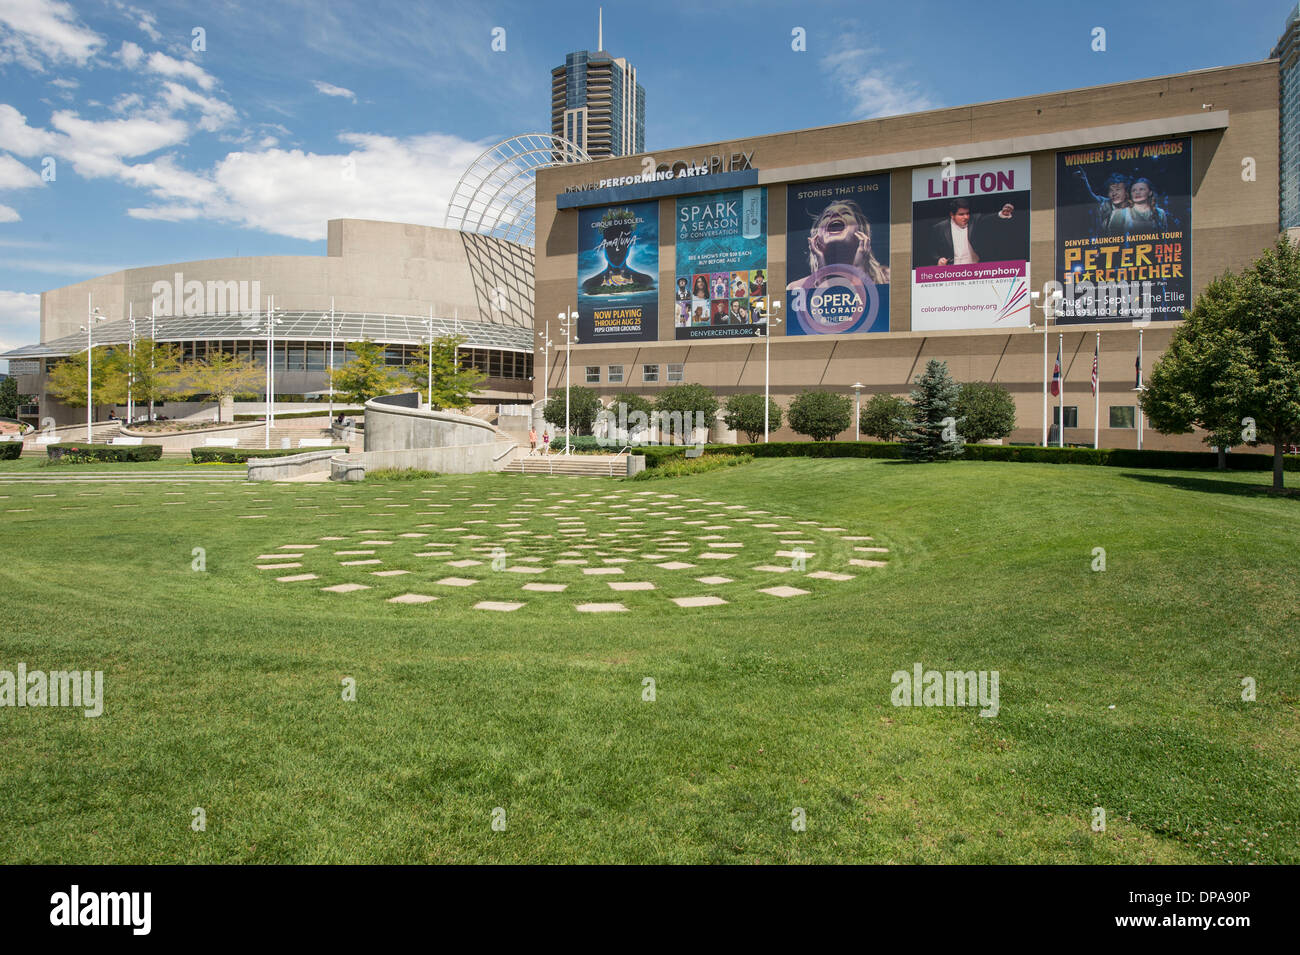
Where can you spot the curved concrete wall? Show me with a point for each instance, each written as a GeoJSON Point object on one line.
{"type": "Point", "coordinates": [400, 435]}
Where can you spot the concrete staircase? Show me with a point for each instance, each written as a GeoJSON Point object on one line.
{"type": "Point", "coordinates": [573, 465]}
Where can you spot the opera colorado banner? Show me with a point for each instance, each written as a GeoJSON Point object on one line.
{"type": "Point", "coordinates": [837, 256]}
{"type": "Point", "coordinates": [618, 273]}
{"type": "Point", "coordinates": [970, 245]}
{"type": "Point", "coordinates": [721, 272]}
{"type": "Point", "coordinates": [1124, 232]}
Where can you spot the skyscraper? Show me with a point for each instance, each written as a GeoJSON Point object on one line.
{"type": "Point", "coordinates": [1288, 52]}
{"type": "Point", "coordinates": [597, 103]}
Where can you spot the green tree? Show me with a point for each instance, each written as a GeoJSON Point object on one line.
{"type": "Point", "coordinates": [745, 413]}
{"type": "Point", "coordinates": [988, 411]}
{"type": "Point", "coordinates": [367, 375]}
{"type": "Point", "coordinates": [151, 370]}
{"type": "Point", "coordinates": [1233, 367]}
{"type": "Point", "coordinates": [679, 404]}
{"type": "Point", "coordinates": [220, 376]}
{"type": "Point", "coordinates": [66, 380]}
{"type": "Point", "coordinates": [10, 399]}
{"type": "Point", "coordinates": [820, 415]}
{"type": "Point", "coordinates": [885, 416]}
{"type": "Point", "coordinates": [453, 384]}
{"type": "Point", "coordinates": [932, 431]}
{"type": "Point", "coordinates": [584, 405]}
{"type": "Point", "coordinates": [633, 403]}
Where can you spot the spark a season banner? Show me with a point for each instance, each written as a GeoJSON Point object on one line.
{"type": "Point", "coordinates": [618, 273]}
{"type": "Point", "coordinates": [1124, 223]}
{"type": "Point", "coordinates": [837, 256]}
{"type": "Point", "coordinates": [721, 264]}
{"type": "Point", "coordinates": [970, 245]}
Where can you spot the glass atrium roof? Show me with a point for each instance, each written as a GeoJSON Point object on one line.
{"type": "Point", "coordinates": [292, 325]}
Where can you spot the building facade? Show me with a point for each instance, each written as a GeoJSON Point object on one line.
{"type": "Point", "coordinates": [868, 248]}
{"type": "Point", "coordinates": [1287, 53]}
{"type": "Point", "coordinates": [597, 103]}
{"type": "Point", "coordinates": [380, 281]}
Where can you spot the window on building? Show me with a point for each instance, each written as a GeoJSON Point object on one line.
{"type": "Point", "coordinates": [616, 374]}
{"type": "Point", "coordinates": [593, 374]}
{"type": "Point", "coordinates": [1071, 415]}
{"type": "Point", "coordinates": [650, 373]}
{"type": "Point", "coordinates": [1122, 416]}
{"type": "Point", "coordinates": [676, 372]}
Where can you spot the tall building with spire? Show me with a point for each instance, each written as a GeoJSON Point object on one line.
{"type": "Point", "coordinates": [597, 103]}
{"type": "Point", "coordinates": [1287, 52]}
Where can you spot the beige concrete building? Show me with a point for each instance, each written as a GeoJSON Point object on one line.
{"type": "Point", "coordinates": [1227, 118]}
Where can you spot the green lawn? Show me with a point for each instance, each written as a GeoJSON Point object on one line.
{"type": "Point", "coordinates": [1119, 689]}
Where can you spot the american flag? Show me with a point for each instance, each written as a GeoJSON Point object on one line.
{"type": "Point", "coordinates": [1056, 374]}
{"type": "Point", "coordinates": [1094, 369]}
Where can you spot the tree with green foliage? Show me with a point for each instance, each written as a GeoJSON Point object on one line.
{"type": "Point", "coordinates": [677, 406]}
{"type": "Point", "coordinates": [987, 409]}
{"type": "Point", "coordinates": [821, 415]}
{"type": "Point", "coordinates": [367, 375]}
{"type": "Point", "coordinates": [745, 413]}
{"type": "Point", "coordinates": [1233, 367]}
{"type": "Point", "coordinates": [10, 399]}
{"type": "Point", "coordinates": [151, 371]}
{"type": "Point", "coordinates": [933, 430]}
{"type": "Point", "coordinates": [633, 403]}
{"type": "Point", "coordinates": [453, 384]}
{"type": "Point", "coordinates": [885, 416]}
{"type": "Point", "coordinates": [66, 380]}
{"type": "Point", "coordinates": [584, 405]}
{"type": "Point", "coordinates": [219, 376]}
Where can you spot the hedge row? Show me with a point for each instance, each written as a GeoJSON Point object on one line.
{"type": "Point", "coordinates": [1105, 457]}
{"type": "Point", "coordinates": [9, 450]}
{"type": "Point", "coordinates": [75, 453]}
{"type": "Point", "coordinates": [283, 415]}
{"type": "Point", "coordinates": [240, 455]}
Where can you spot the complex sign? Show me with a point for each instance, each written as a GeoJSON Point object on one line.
{"type": "Point", "coordinates": [1124, 232]}
{"type": "Point", "coordinates": [837, 256]}
{"type": "Point", "coordinates": [970, 245]}
{"type": "Point", "coordinates": [618, 273]}
{"type": "Point", "coordinates": [721, 264]}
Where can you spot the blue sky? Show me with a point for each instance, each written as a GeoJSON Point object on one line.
{"type": "Point", "coordinates": [165, 153]}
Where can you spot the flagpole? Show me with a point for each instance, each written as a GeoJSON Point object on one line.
{"type": "Point", "coordinates": [1096, 394]}
{"type": "Point", "coordinates": [1060, 432]}
{"type": "Point", "coordinates": [1044, 378]}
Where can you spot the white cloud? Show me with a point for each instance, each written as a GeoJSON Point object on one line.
{"type": "Point", "coordinates": [874, 87]}
{"type": "Point", "coordinates": [329, 89]}
{"type": "Point", "coordinates": [9, 214]}
{"type": "Point", "coordinates": [14, 175]}
{"type": "Point", "coordinates": [20, 318]}
{"type": "Point", "coordinates": [165, 65]}
{"type": "Point", "coordinates": [34, 32]}
{"type": "Point", "coordinates": [65, 84]}
{"type": "Point", "coordinates": [130, 54]}
{"type": "Point", "coordinates": [215, 113]}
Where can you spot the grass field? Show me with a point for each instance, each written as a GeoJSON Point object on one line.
{"type": "Point", "coordinates": [223, 688]}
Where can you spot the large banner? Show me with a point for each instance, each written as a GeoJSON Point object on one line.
{"type": "Point", "coordinates": [618, 273]}
{"type": "Point", "coordinates": [837, 256]}
{"type": "Point", "coordinates": [721, 264]}
{"type": "Point", "coordinates": [970, 245]}
{"type": "Point", "coordinates": [1124, 232]}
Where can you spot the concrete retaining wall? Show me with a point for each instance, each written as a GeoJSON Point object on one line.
{"type": "Point", "coordinates": [291, 465]}
{"type": "Point", "coordinates": [393, 428]}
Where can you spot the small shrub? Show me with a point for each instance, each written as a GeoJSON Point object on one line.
{"type": "Point", "coordinates": [241, 455]}
{"type": "Point", "coordinates": [821, 415]}
{"type": "Point", "coordinates": [10, 450]}
{"type": "Point", "coordinates": [75, 453]}
{"type": "Point", "coordinates": [683, 466]}
{"type": "Point", "coordinates": [400, 474]}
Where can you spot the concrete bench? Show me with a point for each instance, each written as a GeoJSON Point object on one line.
{"type": "Point", "coordinates": [314, 442]}
{"type": "Point", "coordinates": [122, 439]}
{"type": "Point", "coordinates": [221, 442]}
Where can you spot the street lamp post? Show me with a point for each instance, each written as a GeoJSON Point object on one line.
{"type": "Point", "coordinates": [546, 351]}
{"type": "Point", "coordinates": [567, 322]}
{"type": "Point", "coordinates": [430, 365]}
{"type": "Point", "coordinates": [271, 322]}
{"type": "Point", "coordinates": [771, 307]}
{"type": "Point", "coordinates": [93, 315]}
{"type": "Point", "coordinates": [1048, 305]}
{"type": "Point", "coordinates": [329, 375]}
{"type": "Point", "coordinates": [130, 368]}
{"type": "Point", "coordinates": [153, 350]}
{"type": "Point", "coordinates": [857, 414]}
